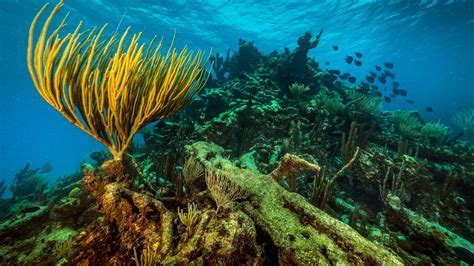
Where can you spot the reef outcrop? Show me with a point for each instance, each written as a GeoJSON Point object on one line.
{"type": "Point", "coordinates": [272, 224]}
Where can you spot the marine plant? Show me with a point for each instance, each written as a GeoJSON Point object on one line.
{"type": "Point", "coordinates": [192, 170]}
{"type": "Point", "coordinates": [435, 131]}
{"type": "Point", "coordinates": [148, 257]}
{"type": "Point", "coordinates": [298, 89]}
{"type": "Point", "coordinates": [363, 103]}
{"type": "Point", "coordinates": [107, 88]}
{"type": "Point", "coordinates": [407, 124]}
{"type": "Point", "coordinates": [190, 217]}
{"type": "Point", "coordinates": [222, 190]}
{"type": "Point", "coordinates": [330, 101]}
{"type": "Point", "coordinates": [465, 121]}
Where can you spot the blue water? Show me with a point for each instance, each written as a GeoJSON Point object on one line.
{"type": "Point", "coordinates": [431, 44]}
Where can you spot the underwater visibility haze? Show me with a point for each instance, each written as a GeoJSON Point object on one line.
{"type": "Point", "coordinates": [237, 132]}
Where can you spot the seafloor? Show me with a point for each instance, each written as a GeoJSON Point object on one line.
{"type": "Point", "coordinates": [305, 170]}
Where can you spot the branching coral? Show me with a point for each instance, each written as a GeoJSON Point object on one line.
{"type": "Point", "coordinates": [322, 187]}
{"type": "Point", "coordinates": [109, 90]}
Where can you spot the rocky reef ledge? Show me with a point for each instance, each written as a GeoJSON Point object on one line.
{"type": "Point", "coordinates": [266, 224]}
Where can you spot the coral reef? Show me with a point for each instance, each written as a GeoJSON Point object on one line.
{"type": "Point", "coordinates": [255, 171]}
{"type": "Point", "coordinates": [309, 236]}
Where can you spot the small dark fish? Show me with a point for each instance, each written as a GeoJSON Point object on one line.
{"type": "Point", "coordinates": [393, 95]}
{"type": "Point", "coordinates": [370, 79]}
{"type": "Point", "coordinates": [388, 65]}
{"type": "Point", "coordinates": [389, 74]}
{"type": "Point", "coordinates": [343, 77]}
{"type": "Point", "coordinates": [429, 109]}
{"type": "Point", "coordinates": [357, 62]}
{"type": "Point", "coordinates": [378, 68]}
{"type": "Point", "coordinates": [376, 93]}
{"type": "Point", "coordinates": [402, 92]}
{"type": "Point", "coordinates": [352, 80]}
{"type": "Point", "coordinates": [410, 101]}
{"type": "Point", "coordinates": [382, 79]}
{"type": "Point", "coordinates": [395, 91]}
{"type": "Point", "coordinates": [334, 71]}
{"type": "Point", "coordinates": [373, 74]}
{"type": "Point", "coordinates": [395, 84]}
{"type": "Point", "coordinates": [385, 88]}
{"type": "Point", "coordinates": [374, 87]}
{"type": "Point", "coordinates": [349, 59]}
{"type": "Point", "coordinates": [347, 74]}
{"type": "Point", "coordinates": [327, 63]}
{"type": "Point", "coordinates": [335, 47]}
{"type": "Point", "coordinates": [387, 99]}
{"type": "Point", "coordinates": [358, 54]}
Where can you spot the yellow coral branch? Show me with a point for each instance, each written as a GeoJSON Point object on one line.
{"type": "Point", "coordinates": [111, 88]}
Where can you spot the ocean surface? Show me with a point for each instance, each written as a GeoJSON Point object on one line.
{"type": "Point", "coordinates": [430, 44]}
